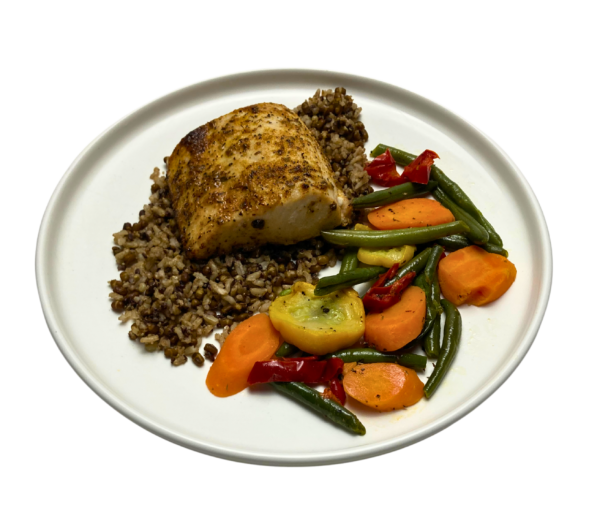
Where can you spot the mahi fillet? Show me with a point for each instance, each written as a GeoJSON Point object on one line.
{"type": "Point", "coordinates": [251, 177]}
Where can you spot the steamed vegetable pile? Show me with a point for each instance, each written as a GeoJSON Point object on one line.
{"type": "Point", "coordinates": [414, 250]}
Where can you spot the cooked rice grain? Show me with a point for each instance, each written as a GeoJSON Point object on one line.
{"type": "Point", "coordinates": [332, 116]}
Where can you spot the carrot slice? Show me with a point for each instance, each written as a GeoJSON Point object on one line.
{"type": "Point", "coordinates": [348, 367]}
{"type": "Point", "coordinates": [473, 276]}
{"type": "Point", "coordinates": [416, 212]}
{"type": "Point", "coordinates": [252, 341]}
{"type": "Point", "coordinates": [397, 326]}
{"type": "Point", "coordinates": [383, 386]}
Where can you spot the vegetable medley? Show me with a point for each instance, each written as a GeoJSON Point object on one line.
{"type": "Point", "coordinates": [414, 250]}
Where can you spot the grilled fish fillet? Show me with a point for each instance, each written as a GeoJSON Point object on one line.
{"type": "Point", "coordinates": [251, 177]}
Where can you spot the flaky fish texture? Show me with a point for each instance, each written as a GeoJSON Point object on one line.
{"type": "Point", "coordinates": [251, 177]}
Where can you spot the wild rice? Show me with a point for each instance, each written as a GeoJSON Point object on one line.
{"type": "Point", "coordinates": [332, 116]}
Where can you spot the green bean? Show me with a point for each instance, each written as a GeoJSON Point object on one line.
{"type": "Point", "coordinates": [431, 343]}
{"type": "Point", "coordinates": [432, 278]}
{"type": "Point", "coordinates": [283, 293]}
{"type": "Point", "coordinates": [413, 361]}
{"type": "Point", "coordinates": [286, 350]}
{"type": "Point", "coordinates": [401, 237]}
{"type": "Point", "coordinates": [495, 238]}
{"type": "Point", "coordinates": [416, 264]}
{"type": "Point", "coordinates": [404, 191]}
{"type": "Point", "coordinates": [477, 234]}
{"type": "Point", "coordinates": [346, 280]}
{"type": "Point", "coordinates": [452, 332]}
{"type": "Point", "coordinates": [430, 313]}
{"type": "Point", "coordinates": [326, 407]}
{"type": "Point", "coordinates": [435, 296]}
{"type": "Point", "coordinates": [350, 260]}
{"type": "Point", "coordinates": [448, 186]}
{"type": "Point", "coordinates": [457, 242]}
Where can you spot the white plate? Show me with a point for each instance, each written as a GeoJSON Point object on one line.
{"type": "Point", "coordinates": [108, 184]}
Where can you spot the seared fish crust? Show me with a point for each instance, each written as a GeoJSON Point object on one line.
{"type": "Point", "coordinates": [251, 177]}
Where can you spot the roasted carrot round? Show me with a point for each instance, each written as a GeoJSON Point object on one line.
{"type": "Point", "coordinates": [397, 326]}
{"type": "Point", "coordinates": [417, 212]}
{"type": "Point", "coordinates": [383, 386]}
{"type": "Point", "coordinates": [252, 341]}
{"type": "Point", "coordinates": [348, 367]}
{"type": "Point", "coordinates": [473, 276]}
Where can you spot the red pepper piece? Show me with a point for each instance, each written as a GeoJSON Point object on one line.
{"type": "Point", "coordinates": [334, 367]}
{"type": "Point", "coordinates": [306, 369]}
{"type": "Point", "coordinates": [402, 283]}
{"type": "Point", "coordinates": [383, 163]}
{"type": "Point", "coordinates": [384, 277]}
{"type": "Point", "coordinates": [382, 170]}
{"type": "Point", "coordinates": [380, 298]}
{"type": "Point", "coordinates": [337, 389]}
{"type": "Point", "coordinates": [419, 169]}
{"type": "Point", "coordinates": [378, 286]}
{"type": "Point", "coordinates": [299, 359]}
{"type": "Point", "coordinates": [310, 371]}
{"type": "Point", "coordinates": [327, 394]}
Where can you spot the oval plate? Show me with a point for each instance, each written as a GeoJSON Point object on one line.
{"type": "Point", "coordinates": [109, 183]}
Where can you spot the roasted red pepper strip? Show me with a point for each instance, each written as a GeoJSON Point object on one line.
{"type": "Point", "coordinates": [402, 283]}
{"type": "Point", "coordinates": [306, 370]}
{"type": "Point", "coordinates": [310, 371]}
{"type": "Point", "coordinates": [370, 296]}
{"type": "Point", "coordinates": [332, 369]}
{"type": "Point", "coordinates": [337, 389]}
{"type": "Point", "coordinates": [380, 298]}
{"type": "Point", "coordinates": [418, 170]}
{"type": "Point", "coordinates": [382, 170]}
{"type": "Point", "coordinates": [384, 277]}
{"type": "Point", "coordinates": [299, 359]}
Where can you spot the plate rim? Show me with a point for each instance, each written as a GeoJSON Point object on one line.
{"type": "Point", "coordinates": [310, 459]}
